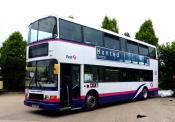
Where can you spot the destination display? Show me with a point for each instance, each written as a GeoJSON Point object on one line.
{"type": "Point", "coordinates": [38, 50]}
{"type": "Point", "coordinates": [114, 55]}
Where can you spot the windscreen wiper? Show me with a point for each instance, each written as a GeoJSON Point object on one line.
{"type": "Point", "coordinates": [36, 81]}
{"type": "Point", "coordinates": [32, 79]}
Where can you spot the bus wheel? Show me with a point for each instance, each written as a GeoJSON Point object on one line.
{"type": "Point", "coordinates": [145, 93]}
{"type": "Point", "coordinates": [91, 102]}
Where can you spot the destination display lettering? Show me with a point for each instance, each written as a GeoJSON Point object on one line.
{"type": "Point", "coordinates": [114, 55]}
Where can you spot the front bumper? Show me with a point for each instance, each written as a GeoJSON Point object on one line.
{"type": "Point", "coordinates": [43, 105]}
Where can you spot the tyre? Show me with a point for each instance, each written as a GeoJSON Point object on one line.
{"type": "Point", "coordinates": [145, 93]}
{"type": "Point", "coordinates": [91, 102]}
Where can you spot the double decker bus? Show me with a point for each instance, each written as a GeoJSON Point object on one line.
{"type": "Point", "coordinates": [71, 65]}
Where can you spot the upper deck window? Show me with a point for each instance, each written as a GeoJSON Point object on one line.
{"type": "Point", "coordinates": [152, 52]}
{"type": "Point", "coordinates": [132, 47]}
{"type": "Point", "coordinates": [143, 50]}
{"type": "Point", "coordinates": [123, 44]}
{"type": "Point", "coordinates": [112, 42]}
{"type": "Point", "coordinates": [42, 29]}
{"type": "Point", "coordinates": [33, 32]}
{"type": "Point", "coordinates": [70, 31]}
{"type": "Point", "coordinates": [92, 36]}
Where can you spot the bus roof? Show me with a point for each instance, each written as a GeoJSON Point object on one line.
{"type": "Point", "coordinates": [100, 29]}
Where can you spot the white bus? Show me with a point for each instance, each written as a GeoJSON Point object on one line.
{"type": "Point", "coordinates": [71, 65]}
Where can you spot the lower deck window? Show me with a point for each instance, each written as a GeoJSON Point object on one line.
{"type": "Point", "coordinates": [112, 75]}
{"type": "Point", "coordinates": [93, 73]}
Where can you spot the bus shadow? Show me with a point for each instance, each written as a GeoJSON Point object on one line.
{"type": "Point", "coordinates": [56, 114]}
{"type": "Point", "coordinates": [123, 102]}
{"type": "Point", "coordinates": [118, 103]}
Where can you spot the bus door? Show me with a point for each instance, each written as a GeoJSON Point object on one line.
{"type": "Point", "coordinates": [70, 85]}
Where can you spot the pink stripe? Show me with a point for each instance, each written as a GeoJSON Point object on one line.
{"type": "Point", "coordinates": [59, 41]}
{"type": "Point", "coordinates": [37, 43]}
{"type": "Point", "coordinates": [153, 89]}
{"type": "Point", "coordinates": [116, 93]}
{"type": "Point", "coordinates": [112, 94]}
{"type": "Point", "coordinates": [52, 100]}
{"type": "Point", "coordinates": [82, 97]}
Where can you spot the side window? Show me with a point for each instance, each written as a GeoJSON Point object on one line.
{"type": "Point", "coordinates": [142, 75]}
{"type": "Point", "coordinates": [112, 75]}
{"type": "Point", "coordinates": [124, 74]}
{"type": "Point", "coordinates": [92, 36]}
{"type": "Point", "coordinates": [101, 73]}
{"type": "Point", "coordinates": [70, 31]}
{"type": "Point", "coordinates": [150, 75]}
{"type": "Point", "coordinates": [152, 52]}
{"type": "Point", "coordinates": [146, 75]}
{"type": "Point", "coordinates": [123, 44]}
{"type": "Point", "coordinates": [90, 73]}
{"type": "Point", "coordinates": [111, 42]}
{"type": "Point", "coordinates": [133, 75]}
{"type": "Point", "coordinates": [94, 73]}
{"type": "Point", "coordinates": [143, 50]}
{"type": "Point", "coordinates": [132, 47]}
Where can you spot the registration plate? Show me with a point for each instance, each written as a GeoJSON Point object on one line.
{"type": "Point", "coordinates": [35, 106]}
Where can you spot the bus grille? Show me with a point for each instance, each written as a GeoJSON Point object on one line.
{"type": "Point", "coordinates": [36, 96]}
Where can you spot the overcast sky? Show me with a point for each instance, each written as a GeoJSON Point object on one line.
{"type": "Point", "coordinates": [16, 15]}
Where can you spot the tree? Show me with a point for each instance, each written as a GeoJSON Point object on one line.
{"type": "Point", "coordinates": [146, 33]}
{"type": "Point", "coordinates": [12, 61]}
{"type": "Point", "coordinates": [110, 24]}
{"type": "Point", "coordinates": [127, 34]}
{"type": "Point", "coordinates": [166, 66]}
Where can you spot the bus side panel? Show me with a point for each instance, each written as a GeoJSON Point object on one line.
{"type": "Point", "coordinates": [77, 103]}
{"type": "Point", "coordinates": [153, 93]}
{"type": "Point", "coordinates": [113, 92]}
{"type": "Point", "coordinates": [116, 98]}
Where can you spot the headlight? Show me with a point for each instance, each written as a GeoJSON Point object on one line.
{"type": "Point", "coordinates": [46, 97]}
